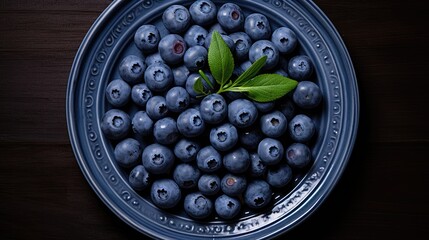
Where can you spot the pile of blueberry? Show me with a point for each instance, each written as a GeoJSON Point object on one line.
{"type": "Point", "coordinates": [217, 154]}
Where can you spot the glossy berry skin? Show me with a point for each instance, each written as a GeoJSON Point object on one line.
{"type": "Point", "coordinates": [242, 113]}
{"type": "Point", "coordinates": [142, 124]}
{"type": "Point", "coordinates": [242, 43]}
{"type": "Point", "coordinates": [176, 19]}
{"type": "Point", "coordinates": [127, 152]}
{"type": "Point", "coordinates": [300, 67]}
{"type": "Point", "coordinates": [197, 205]}
{"type": "Point", "coordinates": [301, 128]}
{"type": "Point", "coordinates": [264, 48]}
{"type": "Point", "coordinates": [257, 167]}
{"type": "Point", "coordinates": [186, 175]}
{"type": "Point", "coordinates": [195, 36]}
{"type": "Point", "coordinates": [250, 138]}
{"type": "Point", "coordinates": [158, 77]}
{"type": "Point", "coordinates": [237, 161]}
{"type": "Point", "coordinates": [190, 82]}
{"type": "Point", "coordinates": [157, 159]}
{"type": "Point", "coordinates": [284, 39]}
{"type": "Point", "coordinates": [180, 75]}
{"type": "Point", "coordinates": [227, 207]}
{"type": "Point", "coordinates": [156, 108]}
{"type": "Point", "coordinates": [209, 160]}
{"type": "Point", "coordinates": [233, 185]}
{"type": "Point", "coordinates": [195, 58]}
{"type": "Point", "coordinates": [153, 58]}
{"type": "Point", "coordinates": [118, 93]}
{"type": "Point", "coordinates": [177, 99]}
{"type": "Point", "coordinates": [213, 108]}
{"type": "Point", "coordinates": [224, 137]}
{"type": "Point", "coordinates": [186, 150]}
{"type": "Point", "coordinates": [281, 72]}
{"type": "Point", "coordinates": [230, 17]}
{"type": "Point", "coordinates": [171, 48]}
{"type": "Point", "coordinates": [203, 12]}
{"type": "Point", "coordinates": [209, 184]}
{"type": "Point", "coordinates": [298, 155]}
{"type": "Point", "coordinates": [132, 69]}
{"type": "Point", "coordinates": [165, 131]}
{"type": "Point", "coordinates": [139, 178]}
{"type": "Point", "coordinates": [279, 176]}
{"type": "Point", "coordinates": [190, 123]}
{"type": "Point", "coordinates": [257, 26]}
{"type": "Point", "coordinates": [273, 124]}
{"type": "Point", "coordinates": [217, 27]}
{"type": "Point", "coordinates": [140, 94]}
{"type": "Point", "coordinates": [115, 124]}
{"type": "Point", "coordinates": [257, 194]}
{"type": "Point", "coordinates": [264, 107]}
{"type": "Point", "coordinates": [307, 95]}
{"type": "Point", "coordinates": [270, 151]}
{"type": "Point", "coordinates": [165, 193]}
{"type": "Point", "coordinates": [147, 38]}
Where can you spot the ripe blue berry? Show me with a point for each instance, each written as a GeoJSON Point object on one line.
{"type": "Point", "coordinates": [153, 58]}
{"type": "Point", "coordinates": [257, 194]}
{"type": "Point", "coordinates": [177, 99]}
{"type": "Point", "coordinates": [233, 185]}
{"type": "Point", "coordinates": [264, 48]}
{"type": "Point", "coordinates": [158, 77]}
{"type": "Point", "coordinates": [209, 160]}
{"type": "Point", "coordinates": [242, 113]}
{"type": "Point", "coordinates": [157, 159]}
{"type": "Point", "coordinates": [197, 205]}
{"type": "Point", "coordinates": [115, 124]}
{"type": "Point", "coordinates": [195, 58]}
{"type": "Point", "coordinates": [186, 175]}
{"type": "Point", "coordinates": [270, 151]}
{"type": "Point", "coordinates": [279, 176]}
{"type": "Point", "coordinates": [307, 95]}
{"type": "Point", "coordinates": [230, 17]}
{"type": "Point", "coordinates": [298, 155]}
{"type": "Point", "coordinates": [180, 75]}
{"type": "Point", "coordinates": [139, 178]}
{"type": "Point", "coordinates": [165, 193]}
{"type": "Point", "coordinates": [250, 138]}
{"type": "Point", "coordinates": [118, 93]}
{"type": "Point", "coordinates": [140, 94]}
{"type": "Point", "coordinates": [190, 82]}
{"type": "Point", "coordinates": [171, 48]}
{"type": "Point", "coordinates": [227, 207]}
{"type": "Point", "coordinates": [224, 137]}
{"type": "Point", "coordinates": [284, 39]}
{"type": "Point", "coordinates": [195, 36]}
{"type": "Point", "coordinates": [213, 108]}
{"type": "Point", "coordinates": [156, 107]}
{"type": "Point", "coordinates": [165, 131]}
{"type": "Point", "coordinates": [273, 124]}
{"type": "Point", "coordinates": [257, 26]}
{"type": "Point", "coordinates": [147, 38]}
{"type": "Point", "coordinates": [209, 184]}
{"type": "Point", "coordinates": [300, 67]}
{"type": "Point", "coordinates": [242, 43]}
{"type": "Point", "coordinates": [203, 12]}
{"type": "Point", "coordinates": [301, 128]}
{"type": "Point", "coordinates": [132, 69]}
{"type": "Point", "coordinates": [186, 150]}
{"type": "Point", "coordinates": [176, 19]}
{"type": "Point", "coordinates": [142, 124]}
{"type": "Point", "coordinates": [264, 107]}
{"type": "Point", "coordinates": [257, 167]}
{"type": "Point", "coordinates": [190, 123]}
{"type": "Point", "coordinates": [127, 152]}
{"type": "Point", "coordinates": [237, 161]}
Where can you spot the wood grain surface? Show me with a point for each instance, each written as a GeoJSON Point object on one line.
{"type": "Point", "coordinates": [383, 193]}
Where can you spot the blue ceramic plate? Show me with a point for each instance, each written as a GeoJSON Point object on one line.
{"type": "Point", "coordinates": [111, 38]}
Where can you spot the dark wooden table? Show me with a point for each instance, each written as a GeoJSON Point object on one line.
{"type": "Point", "coordinates": [383, 193]}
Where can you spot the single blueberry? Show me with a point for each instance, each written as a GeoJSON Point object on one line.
{"type": "Point", "coordinates": [171, 48]}
{"type": "Point", "coordinates": [142, 124]}
{"type": "Point", "coordinates": [139, 178]}
{"type": "Point", "coordinates": [165, 131]}
{"type": "Point", "coordinates": [209, 184]}
{"type": "Point", "coordinates": [147, 38]}
{"type": "Point", "coordinates": [257, 26]}
{"type": "Point", "coordinates": [158, 77]}
{"type": "Point", "coordinates": [176, 19]}
{"type": "Point", "coordinates": [132, 69]}
{"type": "Point", "coordinates": [186, 150]}
{"type": "Point", "coordinates": [140, 94]}
{"type": "Point", "coordinates": [118, 93]}
{"type": "Point", "coordinates": [195, 58]}
{"type": "Point", "coordinates": [242, 43]}
{"type": "Point", "coordinates": [257, 167]}
{"type": "Point", "coordinates": [180, 75]}
{"type": "Point", "coordinates": [190, 123]}
{"type": "Point", "coordinates": [115, 124]}
{"type": "Point", "coordinates": [264, 107]}
{"type": "Point", "coordinates": [209, 160]}
{"type": "Point", "coordinates": [195, 36]}
{"type": "Point", "coordinates": [227, 207]}
{"type": "Point", "coordinates": [233, 185]}
{"type": "Point", "coordinates": [213, 108]}
{"type": "Point", "coordinates": [264, 48]}
{"type": "Point", "coordinates": [156, 107]}
{"type": "Point", "coordinates": [273, 124]}
{"type": "Point", "coordinates": [186, 175]}
{"type": "Point", "coordinates": [250, 137]}
{"type": "Point", "coordinates": [298, 155]}
{"type": "Point", "coordinates": [307, 95]}
{"type": "Point", "coordinates": [127, 152]}
{"type": "Point", "coordinates": [224, 137]}
{"type": "Point", "coordinates": [230, 17]}
{"type": "Point", "coordinates": [270, 151]}
{"type": "Point", "coordinates": [237, 161]}
{"type": "Point", "coordinates": [157, 159]}
{"type": "Point", "coordinates": [177, 99]}
{"type": "Point", "coordinates": [165, 193]}
{"type": "Point", "coordinates": [203, 12]}
{"type": "Point", "coordinates": [197, 205]}
{"type": "Point", "coordinates": [242, 113]}
{"type": "Point", "coordinates": [279, 176]}
{"type": "Point", "coordinates": [153, 58]}
{"type": "Point", "coordinates": [301, 128]}
{"type": "Point", "coordinates": [284, 39]}
{"type": "Point", "coordinates": [257, 194]}
{"type": "Point", "coordinates": [300, 67]}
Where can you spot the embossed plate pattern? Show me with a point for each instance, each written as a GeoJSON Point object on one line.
{"type": "Point", "coordinates": [110, 39]}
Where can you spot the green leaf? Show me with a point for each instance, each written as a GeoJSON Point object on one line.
{"type": "Point", "coordinates": [251, 71]}
{"type": "Point", "coordinates": [221, 61]}
{"type": "Point", "coordinates": [266, 87]}
{"type": "Point", "coordinates": [198, 86]}
{"type": "Point", "coordinates": [206, 79]}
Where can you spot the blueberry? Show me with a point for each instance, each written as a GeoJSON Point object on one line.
{"type": "Point", "coordinates": [140, 94]}
{"type": "Point", "coordinates": [197, 205]}
{"type": "Point", "coordinates": [279, 176]}
{"type": "Point", "coordinates": [300, 67]}
{"type": "Point", "coordinates": [118, 93]}
{"type": "Point", "coordinates": [270, 151]}
{"type": "Point", "coordinates": [165, 193]}
{"type": "Point", "coordinates": [209, 160]}
{"type": "Point", "coordinates": [307, 95]}
{"type": "Point", "coordinates": [264, 48]}
{"type": "Point", "coordinates": [190, 123]}
{"type": "Point", "coordinates": [203, 12]}
{"type": "Point", "coordinates": [237, 161]}
{"type": "Point", "coordinates": [233, 185]}
{"type": "Point", "coordinates": [287, 107]}
{"type": "Point", "coordinates": [147, 38]}
{"type": "Point", "coordinates": [127, 152]}
{"type": "Point", "coordinates": [257, 194]}
{"type": "Point", "coordinates": [132, 69]}
{"type": "Point", "coordinates": [171, 48]}
{"type": "Point", "coordinates": [186, 175]}
{"type": "Point", "coordinates": [264, 107]}
{"type": "Point", "coordinates": [230, 17]}
{"type": "Point", "coordinates": [156, 108]}
{"type": "Point", "coordinates": [165, 131]}
{"type": "Point", "coordinates": [193, 78]}
{"type": "Point", "coordinates": [158, 77]}
{"type": "Point", "coordinates": [139, 178]}
{"type": "Point", "coordinates": [281, 72]}
{"type": "Point", "coordinates": [224, 137]}
{"type": "Point", "coordinates": [301, 128]}
{"type": "Point", "coordinates": [227, 39]}
{"type": "Point", "coordinates": [157, 159]}
{"type": "Point", "coordinates": [213, 108]}
{"type": "Point", "coordinates": [257, 26]}
{"type": "Point", "coordinates": [153, 58]}
{"type": "Point", "coordinates": [257, 167]}
{"type": "Point", "coordinates": [242, 113]}
{"type": "Point", "coordinates": [142, 124]}
{"type": "Point", "coordinates": [298, 155]}
{"type": "Point", "coordinates": [195, 58]}
{"type": "Point", "coordinates": [250, 138]}
{"type": "Point", "coordinates": [195, 36]}
{"type": "Point", "coordinates": [217, 27]}
{"type": "Point", "coordinates": [115, 124]}
{"type": "Point", "coordinates": [242, 43]}
{"type": "Point", "coordinates": [227, 207]}
{"type": "Point", "coordinates": [273, 124]}
{"type": "Point", "coordinates": [180, 75]}
{"type": "Point", "coordinates": [209, 184]}
{"type": "Point", "coordinates": [177, 99]}
{"type": "Point", "coordinates": [284, 39]}
{"type": "Point", "coordinates": [176, 19]}
{"type": "Point", "coordinates": [186, 150]}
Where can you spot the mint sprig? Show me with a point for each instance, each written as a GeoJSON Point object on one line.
{"type": "Point", "coordinates": [260, 88]}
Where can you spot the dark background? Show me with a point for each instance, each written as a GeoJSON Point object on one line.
{"type": "Point", "coordinates": [383, 193]}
